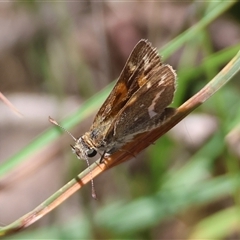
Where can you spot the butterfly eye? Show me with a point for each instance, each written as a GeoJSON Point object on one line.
{"type": "Point", "coordinates": [91, 152]}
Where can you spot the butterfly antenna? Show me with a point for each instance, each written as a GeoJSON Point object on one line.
{"type": "Point", "coordinates": [94, 195]}
{"type": "Point", "coordinates": [51, 120]}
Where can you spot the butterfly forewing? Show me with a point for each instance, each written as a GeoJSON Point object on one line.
{"type": "Point", "coordinates": [142, 59]}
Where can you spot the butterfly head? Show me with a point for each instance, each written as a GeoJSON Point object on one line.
{"type": "Point", "coordinates": [83, 148]}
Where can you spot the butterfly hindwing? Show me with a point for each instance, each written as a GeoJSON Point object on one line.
{"type": "Point", "coordinates": [143, 111]}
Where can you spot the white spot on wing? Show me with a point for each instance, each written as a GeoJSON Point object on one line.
{"type": "Point", "coordinates": [131, 66]}
{"type": "Point", "coordinates": [149, 85]}
{"type": "Point", "coordinates": [146, 59]}
{"type": "Point", "coordinates": [151, 111]}
{"type": "Point", "coordinates": [162, 79]}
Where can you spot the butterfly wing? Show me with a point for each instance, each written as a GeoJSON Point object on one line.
{"type": "Point", "coordinates": [143, 111]}
{"type": "Point", "coordinates": [142, 60]}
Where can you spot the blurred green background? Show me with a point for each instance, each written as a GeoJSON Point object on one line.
{"type": "Point", "coordinates": [56, 58]}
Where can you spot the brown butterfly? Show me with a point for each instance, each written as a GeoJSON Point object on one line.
{"type": "Point", "coordinates": [144, 89]}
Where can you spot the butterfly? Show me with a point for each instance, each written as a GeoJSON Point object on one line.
{"type": "Point", "coordinates": [135, 105]}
